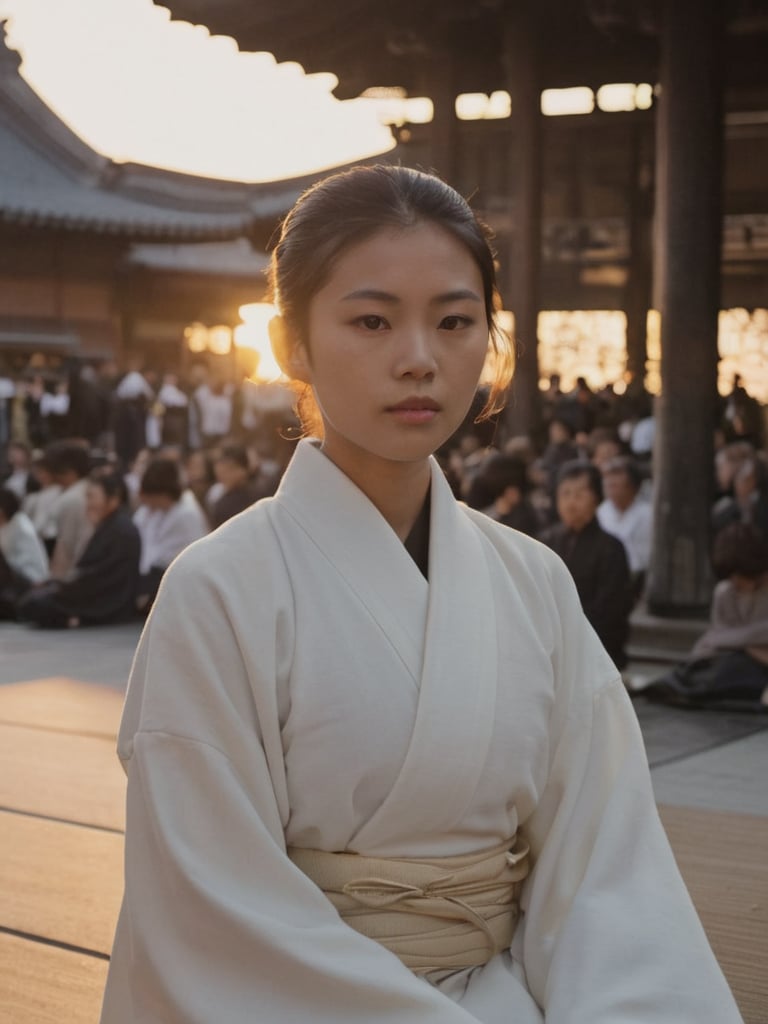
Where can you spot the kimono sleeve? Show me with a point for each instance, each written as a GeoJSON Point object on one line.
{"type": "Point", "coordinates": [609, 935]}
{"type": "Point", "coordinates": [217, 923]}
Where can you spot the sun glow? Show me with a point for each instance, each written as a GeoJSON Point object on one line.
{"type": "Point", "coordinates": [171, 95]}
{"type": "Point", "coordinates": [253, 334]}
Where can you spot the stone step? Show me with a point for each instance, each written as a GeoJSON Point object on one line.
{"type": "Point", "coordinates": [653, 638]}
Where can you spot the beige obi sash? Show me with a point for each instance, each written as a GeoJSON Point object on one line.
{"type": "Point", "coordinates": [444, 914]}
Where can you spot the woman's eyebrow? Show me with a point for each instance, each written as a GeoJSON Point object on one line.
{"type": "Point", "coordinates": [370, 293]}
{"type": "Point", "coordinates": [381, 296]}
{"type": "Point", "coordinates": [457, 296]}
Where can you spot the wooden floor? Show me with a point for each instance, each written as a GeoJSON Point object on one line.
{"type": "Point", "coordinates": [61, 823]}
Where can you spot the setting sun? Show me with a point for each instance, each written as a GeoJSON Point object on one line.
{"type": "Point", "coordinates": [253, 334]}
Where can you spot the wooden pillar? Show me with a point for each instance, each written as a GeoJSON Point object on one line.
{"type": "Point", "coordinates": [520, 279]}
{"type": "Point", "coordinates": [444, 128]}
{"type": "Point", "coordinates": [637, 295]}
{"type": "Point", "coordinates": [689, 185]}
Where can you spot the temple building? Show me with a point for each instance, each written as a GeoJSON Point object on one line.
{"type": "Point", "coordinates": [624, 211]}
{"type": "Point", "coordinates": [103, 260]}
{"type": "Point", "coordinates": [632, 232]}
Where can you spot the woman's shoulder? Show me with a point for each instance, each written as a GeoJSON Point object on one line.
{"type": "Point", "coordinates": [241, 549]}
{"type": "Point", "coordinates": [528, 550]}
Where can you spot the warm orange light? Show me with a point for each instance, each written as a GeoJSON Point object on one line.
{"type": "Point", "coordinates": [220, 340]}
{"type": "Point", "coordinates": [254, 334]}
{"type": "Point", "coordinates": [196, 337]}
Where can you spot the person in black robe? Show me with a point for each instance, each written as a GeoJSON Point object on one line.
{"type": "Point", "coordinates": [597, 561]}
{"type": "Point", "coordinates": [102, 587]}
{"type": "Point", "coordinates": [233, 472]}
{"type": "Point", "coordinates": [500, 489]}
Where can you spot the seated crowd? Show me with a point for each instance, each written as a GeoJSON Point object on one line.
{"type": "Point", "coordinates": [87, 531]}
{"type": "Point", "coordinates": [83, 543]}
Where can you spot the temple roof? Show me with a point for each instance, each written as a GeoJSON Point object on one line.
{"type": "Point", "coordinates": [404, 43]}
{"type": "Point", "coordinates": [50, 178]}
{"type": "Point", "coordinates": [399, 43]}
{"type": "Point", "coordinates": [234, 258]}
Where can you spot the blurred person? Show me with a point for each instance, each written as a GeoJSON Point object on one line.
{"type": "Point", "coordinates": [134, 475]}
{"type": "Point", "coordinates": [175, 412]}
{"type": "Point", "coordinates": [625, 514]}
{"type": "Point", "coordinates": [500, 490]}
{"type": "Point", "coordinates": [237, 491]}
{"type": "Point", "coordinates": [133, 395]}
{"type": "Point", "coordinates": [597, 560]}
{"type": "Point", "coordinates": [89, 410]}
{"type": "Point", "coordinates": [70, 465]}
{"type": "Point", "coordinates": [603, 445]}
{"type": "Point", "coordinates": [102, 587]}
{"type": "Point", "coordinates": [728, 459]}
{"type": "Point", "coordinates": [168, 518]}
{"type": "Point", "coordinates": [214, 411]}
{"type": "Point", "coordinates": [728, 665]}
{"type": "Point", "coordinates": [54, 411]}
{"type": "Point", "coordinates": [7, 394]}
{"type": "Point", "coordinates": [23, 559]}
{"type": "Point", "coordinates": [199, 476]}
{"type": "Point", "coordinates": [37, 428]}
{"type": "Point", "coordinates": [749, 500]}
{"type": "Point", "coordinates": [20, 479]}
{"type": "Point", "coordinates": [42, 504]}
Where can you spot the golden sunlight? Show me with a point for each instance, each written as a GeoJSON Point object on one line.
{"type": "Point", "coordinates": [253, 334]}
{"type": "Point", "coordinates": [172, 95]}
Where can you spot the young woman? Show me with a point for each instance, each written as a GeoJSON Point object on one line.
{"type": "Point", "coordinates": [379, 767]}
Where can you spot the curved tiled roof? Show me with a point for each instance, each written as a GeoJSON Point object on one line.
{"type": "Point", "coordinates": [50, 178]}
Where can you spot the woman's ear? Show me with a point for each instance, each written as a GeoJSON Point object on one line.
{"type": "Point", "coordinates": [289, 351]}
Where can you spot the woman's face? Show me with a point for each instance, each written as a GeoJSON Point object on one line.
{"type": "Point", "coordinates": [397, 339]}
{"type": "Point", "coordinates": [98, 504]}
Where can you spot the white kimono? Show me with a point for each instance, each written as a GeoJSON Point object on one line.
{"type": "Point", "coordinates": [299, 681]}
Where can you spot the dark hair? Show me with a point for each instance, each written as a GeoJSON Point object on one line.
{"type": "Point", "coordinates": [111, 482]}
{"type": "Point", "coordinates": [626, 465]}
{"type": "Point", "coordinates": [563, 420]}
{"type": "Point", "coordinates": [9, 502]}
{"type": "Point", "coordinates": [162, 476]}
{"type": "Point", "coordinates": [495, 475]}
{"type": "Point", "coordinates": [236, 453]}
{"type": "Point", "coordinates": [42, 461]}
{"type": "Point", "coordinates": [576, 468]}
{"type": "Point", "coordinates": [604, 435]}
{"type": "Point", "coordinates": [345, 209]}
{"type": "Point", "coordinates": [69, 455]}
{"type": "Point", "coordinates": [739, 548]}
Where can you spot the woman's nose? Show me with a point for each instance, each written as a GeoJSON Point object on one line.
{"type": "Point", "coordinates": [416, 357]}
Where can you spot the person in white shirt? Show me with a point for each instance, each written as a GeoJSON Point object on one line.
{"type": "Point", "coordinates": [168, 518]}
{"type": "Point", "coordinates": [71, 464]}
{"type": "Point", "coordinates": [627, 515]}
{"type": "Point", "coordinates": [23, 559]}
{"type": "Point", "coordinates": [42, 505]}
{"type": "Point", "coordinates": [214, 408]}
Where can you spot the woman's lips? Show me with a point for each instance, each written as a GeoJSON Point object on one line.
{"type": "Point", "coordinates": [415, 410]}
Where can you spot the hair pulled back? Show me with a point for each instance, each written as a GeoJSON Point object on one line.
{"type": "Point", "coordinates": [347, 208]}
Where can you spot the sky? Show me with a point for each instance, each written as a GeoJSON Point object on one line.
{"type": "Point", "coordinates": [137, 86]}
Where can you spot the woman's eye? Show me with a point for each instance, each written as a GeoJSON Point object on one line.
{"type": "Point", "coordinates": [372, 322]}
{"type": "Point", "coordinates": [453, 323]}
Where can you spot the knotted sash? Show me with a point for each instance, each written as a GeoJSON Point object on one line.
{"type": "Point", "coordinates": [442, 914]}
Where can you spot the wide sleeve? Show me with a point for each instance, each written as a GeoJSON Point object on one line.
{"type": "Point", "coordinates": [217, 923]}
{"type": "Point", "coordinates": [609, 934]}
